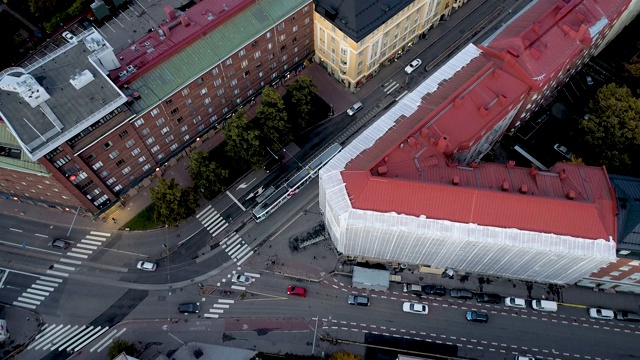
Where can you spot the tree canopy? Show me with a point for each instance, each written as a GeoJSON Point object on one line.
{"type": "Point", "coordinates": [343, 355]}
{"type": "Point", "coordinates": [612, 128]}
{"type": "Point", "coordinates": [300, 95]}
{"type": "Point", "coordinates": [272, 118]}
{"type": "Point", "coordinates": [207, 176]}
{"type": "Point", "coordinates": [120, 346]}
{"type": "Point", "coordinates": [172, 203]}
{"type": "Point", "coordinates": [243, 140]}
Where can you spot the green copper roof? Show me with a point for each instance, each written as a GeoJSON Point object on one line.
{"type": "Point", "coordinates": [171, 75]}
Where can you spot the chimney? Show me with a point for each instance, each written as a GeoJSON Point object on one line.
{"type": "Point", "coordinates": [505, 185]}
{"type": "Point", "coordinates": [511, 164]}
{"type": "Point", "coordinates": [502, 99]}
{"type": "Point", "coordinates": [169, 13]}
{"type": "Point", "coordinates": [483, 111]}
{"type": "Point", "coordinates": [382, 170]}
{"type": "Point", "coordinates": [571, 195]}
{"type": "Point", "coordinates": [185, 21]}
{"type": "Point", "coordinates": [523, 189]}
{"type": "Point", "coordinates": [563, 174]}
{"type": "Point", "coordinates": [386, 159]}
{"type": "Point", "coordinates": [411, 141]}
{"type": "Point", "coordinates": [442, 144]}
{"type": "Point", "coordinates": [533, 172]}
{"type": "Point", "coordinates": [424, 133]}
{"type": "Point", "coordinates": [456, 180]}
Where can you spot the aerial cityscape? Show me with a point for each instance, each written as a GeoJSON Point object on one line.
{"type": "Point", "coordinates": [320, 179]}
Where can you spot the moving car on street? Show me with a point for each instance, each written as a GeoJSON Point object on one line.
{"type": "Point", "coordinates": [475, 316]}
{"type": "Point", "coordinates": [358, 300]}
{"type": "Point", "coordinates": [412, 66]}
{"type": "Point", "coordinates": [189, 308]}
{"type": "Point", "coordinates": [59, 243]}
{"type": "Point", "coordinates": [241, 279]}
{"type": "Point", "coordinates": [146, 265]}
{"type": "Point", "coordinates": [297, 291]}
{"type": "Point", "coordinates": [415, 308]}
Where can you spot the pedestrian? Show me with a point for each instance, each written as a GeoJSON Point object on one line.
{"type": "Point", "coordinates": [314, 258]}
{"type": "Point", "coordinates": [114, 220]}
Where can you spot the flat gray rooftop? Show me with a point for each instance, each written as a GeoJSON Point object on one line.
{"type": "Point", "coordinates": [75, 109]}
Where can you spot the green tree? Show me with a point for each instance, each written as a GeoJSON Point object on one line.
{"type": "Point", "coordinates": [299, 101]}
{"type": "Point", "coordinates": [172, 203]}
{"type": "Point", "coordinates": [612, 129]}
{"type": "Point", "coordinates": [243, 140]}
{"type": "Point", "coordinates": [344, 355]}
{"type": "Point", "coordinates": [207, 175]}
{"type": "Point", "coordinates": [272, 118]}
{"type": "Point", "coordinates": [121, 346]}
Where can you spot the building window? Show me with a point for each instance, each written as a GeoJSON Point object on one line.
{"type": "Point", "coordinates": [244, 64]}
{"type": "Point", "coordinates": [269, 35]}
{"type": "Point", "coordinates": [295, 28]}
{"type": "Point", "coordinates": [155, 112]}
{"type": "Point", "coordinates": [184, 128]}
{"type": "Point", "coordinates": [135, 152]}
{"type": "Point", "coordinates": [169, 139]}
{"type": "Point", "coordinates": [145, 132]}
{"type": "Point", "coordinates": [307, 21]}
{"type": "Point", "coordinates": [242, 53]}
{"type": "Point", "coordinates": [150, 140]}
{"type": "Point", "coordinates": [236, 91]}
{"type": "Point", "coordinates": [269, 46]}
{"type": "Point", "coordinates": [97, 165]}
{"type": "Point", "coordinates": [256, 55]}
{"type": "Point", "coordinates": [199, 81]}
{"type": "Point", "coordinates": [179, 120]}
{"type": "Point", "coordinates": [214, 72]}
{"type": "Point", "coordinates": [203, 91]}
{"type": "Point", "coordinates": [193, 111]}
{"type": "Point", "coordinates": [169, 101]}
{"type": "Point", "coordinates": [104, 174]}
{"type": "Point", "coordinates": [217, 82]}
{"type": "Point", "coordinates": [196, 119]}
{"type": "Point", "coordinates": [107, 145]}
{"type": "Point", "coordinates": [189, 101]}
{"type": "Point", "coordinates": [130, 143]}
{"type": "Point", "coordinates": [139, 122]}
{"type": "Point", "coordinates": [110, 181]}
{"type": "Point", "coordinates": [186, 138]}
{"type": "Point", "coordinates": [126, 170]}
{"type": "Point", "coordinates": [165, 130]}
{"type": "Point", "coordinates": [160, 156]}
{"type": "Point", "coordinates": [283, 37]}
{"type": "Point", "coordinates": [120, 162]}
{"type": "Point", "coordinates": [160, 121]}
{"type": "Point", "coordinates": [228, 62]}
{"type": "Point", "coordinates": [247, 73]}
{"type": "Point", "coordinates": [207, 101]}
{"type": "Point", "coordinates": [174, 111]}
{"type": "Point", "coordinates": [141, 159]}
{"type": "Point", "coordinates": [114, 154]}
{"type": "Point", "coordinates": [174, 146]}
{"type": "Point", "coordinates": [230, 73]}
{"type": "Point", "coordinates": [281, 26]}
{"type": "Point", "coordinates": [146, 167]}
{"type": "Point", "coordinates": [284, 58]}
{"type": "Point", "coordinates": [123, 134]}
{"type": "Point", "coordinates": [220, 92]}
{"type": "Point", "coordinates": [155, 149]}
{"type": "Point", "coordinates": [185, 91]}
{"type": "Point", "coordinates": [233, 83]}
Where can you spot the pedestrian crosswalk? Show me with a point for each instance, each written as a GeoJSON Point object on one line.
{"type": "Point", "coordinates": [39, 290]}
{"type": "Point", "coordinates": [236, 248]}
{"type": "Point", "coordinates": [390, 86]}
{"type": "Point", "coordinates": [71, 338]}
{"type": "Point", "coordinates": [210, 218]}
{"type": "Point", "coordinates": [223, 304]}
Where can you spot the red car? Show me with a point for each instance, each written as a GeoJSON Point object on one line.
{"type": "Point", "coordinates": [297, 291]}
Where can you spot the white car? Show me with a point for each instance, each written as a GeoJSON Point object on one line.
{"type": "Point", "coordinates": [146, 266]}
{"type": "Point", "coordinates": [241, 279]}
{"type": "Point", "coordinates": [602, 314]}
{"type": "Point", "coordinates": [563, 150]}
{"type": "Point", "coordinates": [515, 302]}
{"type": "Point", "coordinates": [415, 308]}
{"type": "Point", "coordinates": [412, 66]}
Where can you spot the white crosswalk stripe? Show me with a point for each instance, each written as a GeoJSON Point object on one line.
{"type": "Point", "coordinates": [211, 220]}
{"type": "Point", "coordinates": [390, 86]}
{"type": "Point", "coordinates": [88, 245]}
{"type": "Point", "coordinates": [236, 248]}
{"type": "Point", "coordinates": [69, 338]}
{"type": "Point", "coordinates": [37, 292]}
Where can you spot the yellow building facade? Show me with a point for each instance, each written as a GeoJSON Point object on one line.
{"type": "Point", "coordinates": [353, 39]}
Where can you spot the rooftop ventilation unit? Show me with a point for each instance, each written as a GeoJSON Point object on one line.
{"type": "Point", "coordinates": [80, 79]}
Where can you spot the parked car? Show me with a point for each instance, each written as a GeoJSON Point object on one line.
{"type": "Point", "coordinates": [242, 279]}
{"type": "Point", "coordinates": [189, 308]}
{"type": "Point", "coordinates": [147, 265]}
{"type": "Point", "coordinates": [354, 108]}
{"type": "Point", "coordinates": [475, 316]}
{"type": "Point", "coordinates": [434, 290]}
{"type": "Point", "coordinates": [461, 294]}
{"type": "Point", "coordinates": [602, 314]}
{"type": "Point", "coordinates": [358, 300]}
{"type": "Point", "coordinates": [515, 302]}
{"type": "Point", "coordinates": [297, 291]}
{"type": "Point", "coordinates": [589, 80]}
{"type": "Point", "coordinates": [59, 243]}
{"type": "Point", "coordinates": [544, 305]}
{"type": "Point", "coordinates": [489, 298]}
{"type": "Point", "coordinates": [524, 357]}
{"type": "Point", "coordinates": [412, 288]}
{"type": "Point", "coordinates": [627, 316]}
{"type": "Point", "coordinates": [563, 150]}
{"type": "Point", "coordinates": [415, 308]}
{"type": "Point", "coordinates": [412, 66]}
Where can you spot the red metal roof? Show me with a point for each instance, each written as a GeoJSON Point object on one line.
{"type": "Point", "coordinates": [551, 34]}
{"type": "Point", "coordinates": [409, 170]}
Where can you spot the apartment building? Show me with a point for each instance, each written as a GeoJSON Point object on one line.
{"type": "Point", "coordinates": [96, 122]}
{"type": "Point", "coordinates": [353, 39]}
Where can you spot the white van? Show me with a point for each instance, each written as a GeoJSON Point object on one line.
{"type": "Point", "coordinates": [354, 108]}
{"type": "Point", "coordinates": [544, 305]}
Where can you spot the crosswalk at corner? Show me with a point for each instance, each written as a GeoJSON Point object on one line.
{"type": "Point", "coordinates": [210, 219]}
{"type": "Point", "coordinates": [37, 292]}
{"type": "Point", "coordinates": [69, 338]}
{"type": "Point", "coordinates": [236, 248]}
{"type": "Point", "coordinates": [390, 86]}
